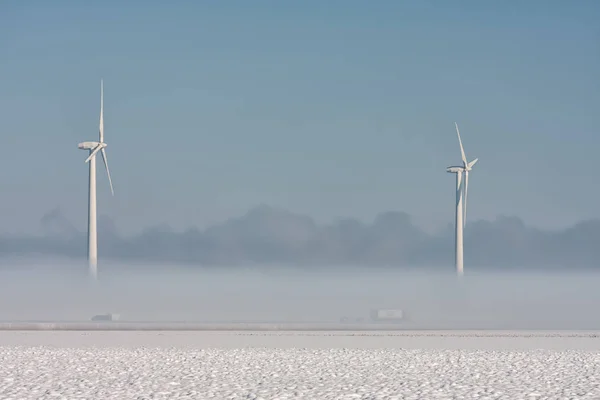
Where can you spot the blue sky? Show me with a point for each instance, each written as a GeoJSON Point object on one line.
{"type": "Point", "coordinates": [338, 108]}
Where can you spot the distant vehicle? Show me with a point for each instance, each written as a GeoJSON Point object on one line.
{"type": "Point", "coordinates": [387, 315]}
{"type": "Point", "coordinates": [378, 316]}
{"type": "Point", "coordinates": [106, 317]}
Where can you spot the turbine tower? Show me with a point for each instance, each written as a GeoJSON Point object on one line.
{"type": "Point", "coordinates": [93, 148]}
{"type": "Point", "coordinates": [462, 187]}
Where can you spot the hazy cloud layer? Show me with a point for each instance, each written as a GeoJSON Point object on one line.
{"type": "Point", "coordinates": [267, 235]}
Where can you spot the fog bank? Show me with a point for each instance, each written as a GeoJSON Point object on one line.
{"type": "Point", "coordinates": [509, 300]}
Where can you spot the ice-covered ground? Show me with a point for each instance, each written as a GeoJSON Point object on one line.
{"type": "Point", "coordinates": [310, 365]}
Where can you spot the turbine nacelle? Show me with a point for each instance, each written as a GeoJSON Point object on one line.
{"type": "Point", "coordinates": [88, 145]}
{"type": "Point", "coordinates": [455, 170]}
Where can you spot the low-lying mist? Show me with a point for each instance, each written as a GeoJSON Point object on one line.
{"type": "Point", "coordinates": [62, 291]}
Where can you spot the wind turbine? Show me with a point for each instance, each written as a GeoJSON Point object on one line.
{"type": "Point", "coordinates": [93, 148]}
{"type": "Point", "coordinates": [462, 187]}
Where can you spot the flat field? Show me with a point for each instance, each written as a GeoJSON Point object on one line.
{"type": "Point", "coordinates": [309, 365]}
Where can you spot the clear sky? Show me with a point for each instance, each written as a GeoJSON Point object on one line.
{"type": "Point", "coordinates": [328, 108]}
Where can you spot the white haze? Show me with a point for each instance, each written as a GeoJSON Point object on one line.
{"type": "Point", "coordinates": [61, 291]}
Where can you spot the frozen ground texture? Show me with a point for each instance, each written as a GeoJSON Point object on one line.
{"type": "Point", "coordinates": [149, 369]}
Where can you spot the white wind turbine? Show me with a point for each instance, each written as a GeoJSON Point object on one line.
{"type": "Point", "coordinates": [93, 148]}
{"type": "Point", "coordinates": [462, 187]}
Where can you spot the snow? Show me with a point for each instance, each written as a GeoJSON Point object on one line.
{"type": "Point", "coordinates": [310, 365]}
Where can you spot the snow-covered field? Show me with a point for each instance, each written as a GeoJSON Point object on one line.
{"type": "Point", "coordinates": [310, 365]}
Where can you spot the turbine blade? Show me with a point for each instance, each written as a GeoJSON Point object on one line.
{"type": "Point", "coordinates": [462, 150]}
{"type": "Point", "coordinates": [473, 163]}
{"type": "Point", "coordinates": [101, 129]}
{"type": "Point", "coordinates": [93, 153]}
{"type": "Point", "coordinates": [466, 194]}
{"type": "Point", "coordinates": [107, 170]}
